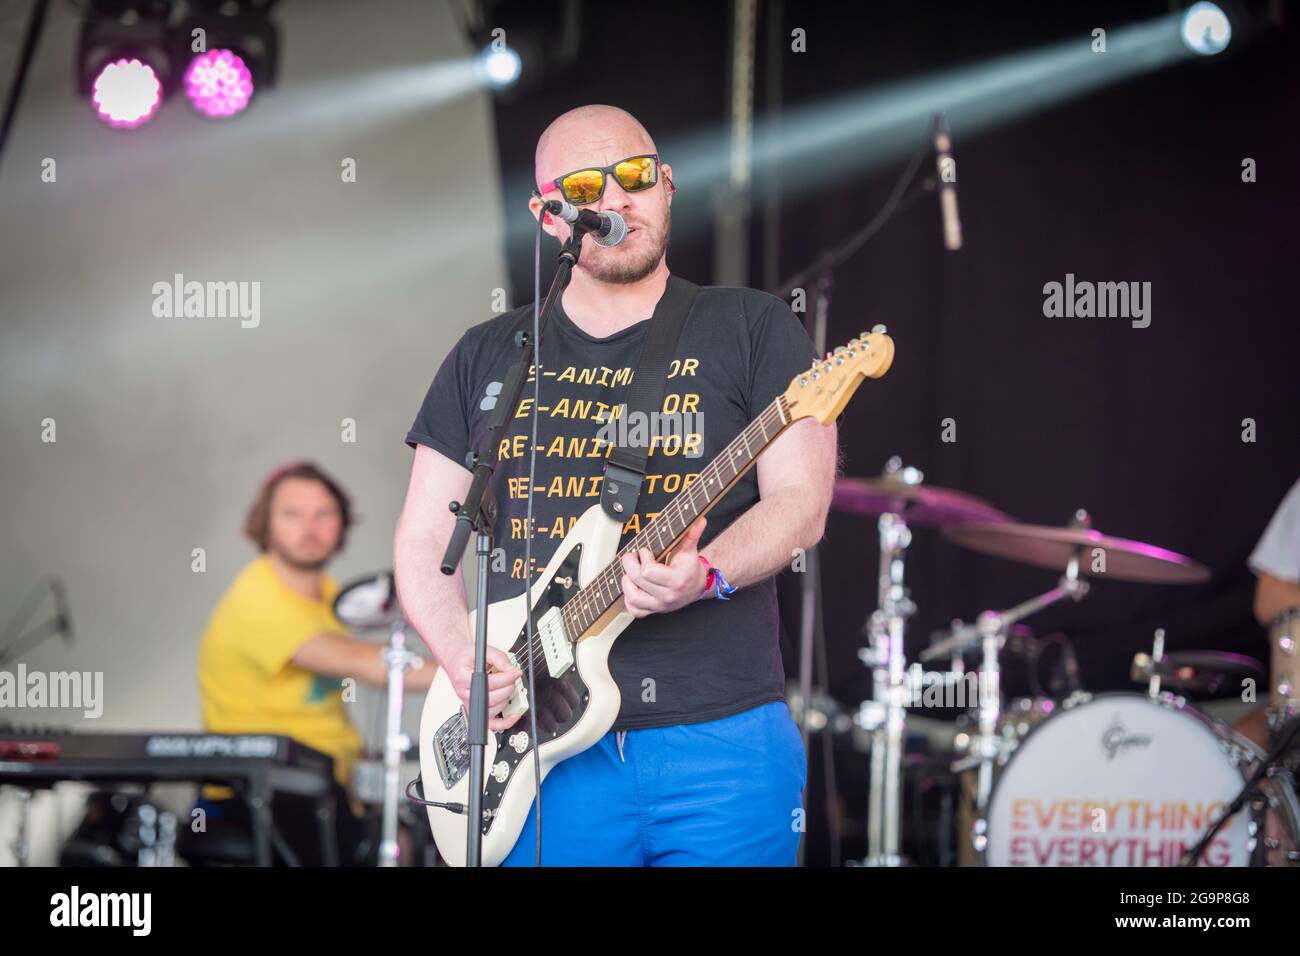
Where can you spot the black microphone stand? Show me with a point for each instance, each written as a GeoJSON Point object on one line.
{"type": "Point", "coordinates": [477, 513]}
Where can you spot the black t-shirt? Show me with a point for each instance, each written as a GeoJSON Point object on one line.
{"type": "Point", "coordinates": [737, 352]}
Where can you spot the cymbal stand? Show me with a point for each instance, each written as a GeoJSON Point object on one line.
{"type": "Point", "coordinates": [885, 715]}
{"type": "Point", "coordinates": [398, 660]}
{"type": "Point", "coordinates": [990, 630]}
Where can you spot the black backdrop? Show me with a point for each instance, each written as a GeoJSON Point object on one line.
{"type": "Point", "coordinates": [1140, 181]}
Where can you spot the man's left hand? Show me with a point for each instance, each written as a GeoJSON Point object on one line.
{"type": "Point", "coordinates": [653, 588]}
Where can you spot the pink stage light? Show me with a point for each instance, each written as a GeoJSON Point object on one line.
{"type": "Point", "coordinates": [218, 83]}
{"type": "Point", "coordinates": [127, 93]}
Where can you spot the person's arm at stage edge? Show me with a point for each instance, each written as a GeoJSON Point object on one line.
{"type": "Point", "coordinates": [337, 655]}
{"type": "Point", "coordinates": [435, 603]}
{"type": "Point", "coordinates": [1276, 560]}
{"type": "Point", "coordinates": [1273, 596]}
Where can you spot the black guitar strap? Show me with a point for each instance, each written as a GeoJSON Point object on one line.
{"type": "Point", "coordinates": [626, 464]}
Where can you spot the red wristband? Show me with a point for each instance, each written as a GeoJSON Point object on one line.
{"type": "Point", "coordinates": [711, 572]}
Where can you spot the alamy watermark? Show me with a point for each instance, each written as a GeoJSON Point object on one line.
{"type": "Point", "coordinates": [951, 690]}
{"type": "Point", "coordinates": [672, 432]}
{"type": "Point", "coordinates": [179, 299]}
{"type": "Point", "coordinates": [37, 690]}
{"type": "Point", "coordinates": [133, 911]}
{"type": "Point", "coordinates": [1123, 300]}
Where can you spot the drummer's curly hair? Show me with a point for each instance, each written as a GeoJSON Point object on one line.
{"type": "Point", "coordinates": [257, 525]}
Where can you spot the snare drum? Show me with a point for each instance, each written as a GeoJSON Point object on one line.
{"type": "Point", "coordinates": [1125, 780]}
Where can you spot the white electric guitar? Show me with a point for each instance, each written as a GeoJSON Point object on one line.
{"type": "Point", "coordinates": [578, 611]}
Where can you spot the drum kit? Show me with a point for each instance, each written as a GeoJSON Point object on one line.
{"type": "Point", "coordinates": [1077, 779]}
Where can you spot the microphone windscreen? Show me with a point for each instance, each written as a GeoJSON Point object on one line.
{"type": "Point", "coordinates": [617, 230]}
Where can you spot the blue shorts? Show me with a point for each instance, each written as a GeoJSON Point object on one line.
{"type": "Point", "coordinates": [725, 792]}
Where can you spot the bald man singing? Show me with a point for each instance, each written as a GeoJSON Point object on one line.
{"type": "Point", "coordinates": [704, 765]}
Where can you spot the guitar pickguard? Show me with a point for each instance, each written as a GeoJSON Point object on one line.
{"type": "Point", "coordinates": [558, 694]}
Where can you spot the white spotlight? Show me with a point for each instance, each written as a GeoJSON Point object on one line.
{"type": "Point", "coordinates": [1206, 29]}
{"type": "Point", "coordinates": [501, 66]}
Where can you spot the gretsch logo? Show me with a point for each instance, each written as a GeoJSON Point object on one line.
{"type": "Point", "coordinates": [1115, 740]}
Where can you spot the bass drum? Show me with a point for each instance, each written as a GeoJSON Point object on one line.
{"type": "Point", "coordinates": [1124, 780]}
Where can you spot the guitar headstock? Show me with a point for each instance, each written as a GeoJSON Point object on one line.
{"type": "Point", "coordinates": [824, 390]}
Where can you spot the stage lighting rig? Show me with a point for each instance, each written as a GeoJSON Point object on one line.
{"type": "Point", "coordinates": [125, 62]}
{"type": "Point", "coordinates": [1205, 28]}
{"type": "Point", "coordinates": [1217, 31]}
{"type": "Point", "coordinates": [230, 49]}
{"type": "Point", "coordinates": [520, 43]}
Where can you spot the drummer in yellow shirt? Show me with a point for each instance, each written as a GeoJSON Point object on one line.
{"type": "Point", "coordinates": [274, 656]}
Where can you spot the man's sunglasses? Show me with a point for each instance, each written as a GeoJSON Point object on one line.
{"type": "Point", "coordinates": [587, 185]}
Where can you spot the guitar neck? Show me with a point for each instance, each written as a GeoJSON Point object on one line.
{"type": "Point", "coordinates": [661, 534]}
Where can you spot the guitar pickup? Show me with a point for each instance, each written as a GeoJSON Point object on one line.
{"type": "Point", "coordinates": [555, 643]}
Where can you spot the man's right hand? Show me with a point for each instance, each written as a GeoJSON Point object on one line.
{"type": "Point", "coordinates": [459, 665]}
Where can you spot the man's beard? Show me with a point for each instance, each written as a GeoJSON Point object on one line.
{"type": "Point", "coordinates": [623, 270]}
{"type": "Point", "coordinates": [301, 564]}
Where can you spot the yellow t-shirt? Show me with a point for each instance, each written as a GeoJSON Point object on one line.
{"type": "Point", "coordinates": [246, 680]}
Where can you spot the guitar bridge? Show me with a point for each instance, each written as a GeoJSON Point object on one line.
{"type": "Point", "coordinates": [451, 749]}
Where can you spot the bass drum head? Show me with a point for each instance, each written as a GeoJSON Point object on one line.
{"type": "Point", "coordinates": [1122, 780]}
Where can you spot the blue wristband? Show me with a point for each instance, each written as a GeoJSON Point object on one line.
{"type": "Point", "coordinates": [721, 588]}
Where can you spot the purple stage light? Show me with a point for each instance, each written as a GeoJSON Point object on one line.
{"type": "Point", "coordinates": [127, 93]}
{"type": "Point", "coordinates": [218, 83]}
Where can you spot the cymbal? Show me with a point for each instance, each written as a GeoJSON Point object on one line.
{"type": "Point", "coordinates": [924, 505]}
{"type": "Point", "coordinates": [1049, 546]}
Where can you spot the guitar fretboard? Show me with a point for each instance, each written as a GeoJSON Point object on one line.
{"type": "Point", "coordinates": [586, 607]}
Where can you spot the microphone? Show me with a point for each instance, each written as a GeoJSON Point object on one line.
{"type": "Point", "coordinates": [947, 184]}
{"type": "Point", "coordinates": [607, 228]}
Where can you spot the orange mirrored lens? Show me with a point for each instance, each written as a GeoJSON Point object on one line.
{"type": "Point", "coordinates": [634, 174]}
{"type": "Point", "coordinates": [583, 186]}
